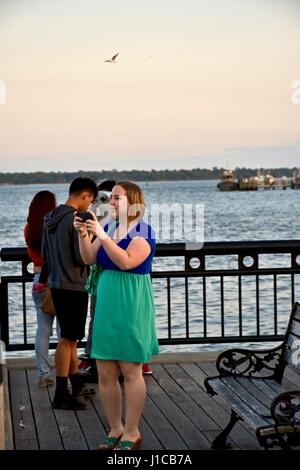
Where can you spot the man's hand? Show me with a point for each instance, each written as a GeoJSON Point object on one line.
{"type": "Point", "coordinates": [79, 226]}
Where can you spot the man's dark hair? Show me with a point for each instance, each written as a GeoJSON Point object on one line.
{"type": "Point", "coordinates": [106, 185]}
{"type": "Point", "coordinates": [79, 185]}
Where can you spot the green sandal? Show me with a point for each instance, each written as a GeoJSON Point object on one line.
{"type": "Point", "coordinates": [129, 445]}
{"type": "Point", "coordinates": [109, 443]}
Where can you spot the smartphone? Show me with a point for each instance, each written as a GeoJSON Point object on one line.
{"type": "Point", "coordinates": [85, 216]}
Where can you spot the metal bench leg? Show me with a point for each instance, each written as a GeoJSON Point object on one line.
{"type": "Point", "coordinates": [220, 440]}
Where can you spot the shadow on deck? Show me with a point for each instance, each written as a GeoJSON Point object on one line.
{"type": "Point", "coordinates": [178, 413]}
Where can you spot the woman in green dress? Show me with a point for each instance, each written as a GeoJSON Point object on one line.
{"type": "Point", "coordinates": [124, 333]}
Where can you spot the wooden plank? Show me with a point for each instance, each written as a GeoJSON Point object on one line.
{"type": "Point", "coordinates": [197, 395]}
{"type": "Point", "coordinates": [90, 423]}
{"type": "Point", "coordinates": [8, 426]}
{"type": "Point", "coordinates": [25, 438]}
{"type": "Point", "coordinates": [292, 375]}
{"type": "Point", "coordinates": [69, 428]}
{"type": "Point", "coordinates": [191, 436]}
{"type": "Point", "coordinates": [150, 440]}
{"type": "Point", "coordinates": [101, 415]}
{"type": "Point", "coordinates": [208, 367]}
{"type": "Point", "coordinates": [46, 425]}
{"type": "Point", "coordinates": [97, 433]}
{"type": "Point", "coordinates": [157, 415]}
{"type": "Point", "coordinates": [2, 431]}
{"type": "Point", "coordinates": [164, 431]}
{"type": "Point", "coordinates": [164, 376]}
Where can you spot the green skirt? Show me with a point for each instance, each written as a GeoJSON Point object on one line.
{"type": "Point", "coordinates": [124, 321]}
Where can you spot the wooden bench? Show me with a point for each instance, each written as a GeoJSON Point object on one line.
{"type": "Point", "coordinates": [251, 382]}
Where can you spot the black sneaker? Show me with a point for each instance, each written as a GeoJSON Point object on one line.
{"type": "Point", "coordinates": [67, 403]}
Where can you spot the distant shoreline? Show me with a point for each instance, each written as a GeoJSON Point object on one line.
{"type": "Point", "coordinates": [12, 179]}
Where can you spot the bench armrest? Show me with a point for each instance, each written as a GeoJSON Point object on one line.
{"type": "Point", "coordinates": [246, 362]}
{"type": "Point", "coordinates": [285, 407]}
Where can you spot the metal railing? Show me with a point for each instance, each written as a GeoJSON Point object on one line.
{"type": "Point", "coordinates": [205, 274]}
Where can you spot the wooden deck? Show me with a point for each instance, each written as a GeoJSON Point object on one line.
{"type": "Point", "coordinates": [178, 413]}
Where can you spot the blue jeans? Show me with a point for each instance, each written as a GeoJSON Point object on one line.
{"type": "Point", "coordinates": [43, 332]}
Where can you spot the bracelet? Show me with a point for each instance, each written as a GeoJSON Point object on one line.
{"type": "Point", "coordinates": [85, 235]}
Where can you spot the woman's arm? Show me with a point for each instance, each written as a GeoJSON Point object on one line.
{"type": "Point", "coordinates": [136, 253]}
{"type": "Point", "coordinates": [88, 250]}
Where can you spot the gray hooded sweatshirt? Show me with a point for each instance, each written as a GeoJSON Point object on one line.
{"type": "Point", "coordinates": [60, 250]}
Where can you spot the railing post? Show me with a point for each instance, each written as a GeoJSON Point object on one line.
{"type": "Point", "coordinates": [2, 429]}
{"type": "Point", "coordinates": [4, 333]}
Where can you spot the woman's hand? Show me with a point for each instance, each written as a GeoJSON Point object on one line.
{"type": "Point", "coordinates": [95, 228]}
{"type": "Point", "coordinates": [79, 226]}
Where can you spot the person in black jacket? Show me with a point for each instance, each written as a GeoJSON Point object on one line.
{"type": "Point", "coordinates": [67, 278]}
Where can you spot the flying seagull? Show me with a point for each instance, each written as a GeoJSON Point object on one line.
{"type": "Point", "coordinates": [113, 59]}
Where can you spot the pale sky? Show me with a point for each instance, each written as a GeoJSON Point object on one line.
{"type": "Point", "coordinates": [196, 84]}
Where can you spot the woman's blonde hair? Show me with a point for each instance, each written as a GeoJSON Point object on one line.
{"type": "Point", "coordinates": [135, 198]}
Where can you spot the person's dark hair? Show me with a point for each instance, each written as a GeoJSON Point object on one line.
{"type": "Point", "coordinates": [42, 203]}
{"type": "Point", "coordinates": [79, 185]}
{"type": "Point", "coordinates": [106, 185]}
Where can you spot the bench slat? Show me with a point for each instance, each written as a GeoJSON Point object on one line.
{"type": "Point", "coordinates": [237, 404]}
{"type": "Point", "coordinates": [255, 390]}
{"type": "Point", "coordinates": [266, 388]}
{"type": "Point", "coordinates": [240, 389]}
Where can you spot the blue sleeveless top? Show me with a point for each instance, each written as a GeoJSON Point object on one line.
{"type": "Point", "coordinates": [140, 230]}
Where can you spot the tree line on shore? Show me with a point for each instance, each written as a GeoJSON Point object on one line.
{"type": "Point", "coordinates": [40, 177]}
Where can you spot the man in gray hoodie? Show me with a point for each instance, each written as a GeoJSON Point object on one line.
{"type": "Point", "coordinates": [67, 278]}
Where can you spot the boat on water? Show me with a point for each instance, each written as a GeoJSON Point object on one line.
{"type": "Point", "coordinates": [228, 181]}
{"type": "Point", "coordinates": [269, 181]}
{"type": "Point", "coordinates": [296, 179]}
{"type": "Point", "coordinates": [248, 184]}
